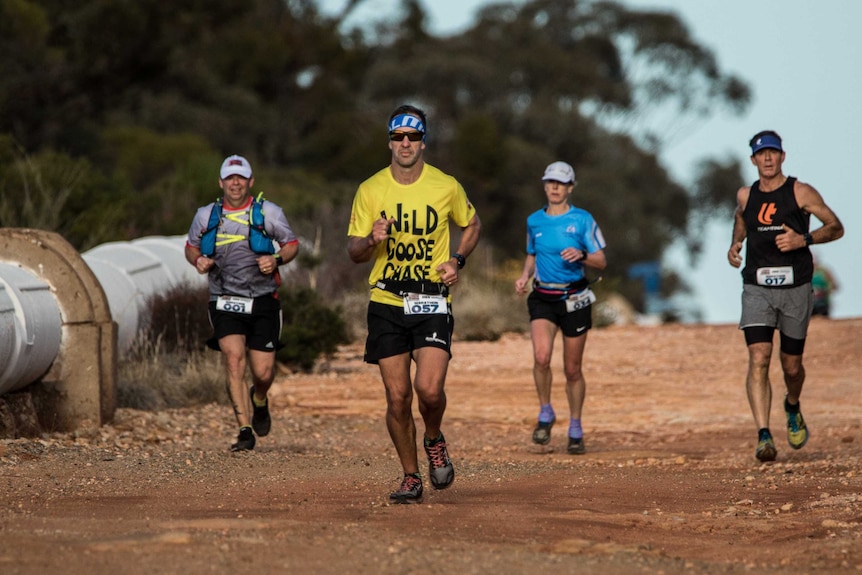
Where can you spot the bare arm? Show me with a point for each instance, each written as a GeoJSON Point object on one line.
{"type": "Point", "coordinates": [529, 268]}
{"type": "Point", "coordinates": [269, 263]}
{"type": "Point", "coordinates": [595, 260]}
{"type": "Point", "coordinates": [812, 202]}
{"type": "Point", "coordinates": [202, 263]}
{"type": "Point", "coordinates": [448, 270]}
{"type": "Point", "coordinates": [360, 249]}
{"type": "Point", "coordinates": [734, 254]}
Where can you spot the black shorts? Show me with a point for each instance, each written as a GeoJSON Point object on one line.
{"type": "Point", "coordinates": [553, 309]}
{"type": "Point", "coordinates": [261, 328]}
{"type": "Point", "coordinates": [392, 332]}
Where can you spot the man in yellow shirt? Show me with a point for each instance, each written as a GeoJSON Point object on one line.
{"type": "Point", "coordinates": [400, 219]}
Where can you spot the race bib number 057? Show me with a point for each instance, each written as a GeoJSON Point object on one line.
{"type": "Point", "coordinates": [234, 304]}
{"type": "Point", "coordinates": [775, 277]}
{"type": "Point", "coordinates": [420, 303]}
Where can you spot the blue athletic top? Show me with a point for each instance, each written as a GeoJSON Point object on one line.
{"type": "Point", "coordinates": [548, 235]}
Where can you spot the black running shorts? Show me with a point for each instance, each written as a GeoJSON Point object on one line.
{"type": "Point", "coordinates": [392, 332]}
{"type": "Point", "coordinates": [261, 328]}
{"type": "Point", "coordinates": [553, 309]}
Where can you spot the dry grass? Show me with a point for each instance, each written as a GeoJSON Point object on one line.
{"type": "Point", "coordinates": [152, 378]}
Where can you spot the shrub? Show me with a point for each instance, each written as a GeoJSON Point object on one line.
{"type": "Point", "coordinates": [168, 365]}
{"type": "Point", "coordinates": [311, 329]}
{"type": "Point", "coordinates": [178, 319]}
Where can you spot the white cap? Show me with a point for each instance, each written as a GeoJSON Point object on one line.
{"type": "Point", "coordinates": [235, 165]}
{"type": "Point", "coordinates": [560, 172]}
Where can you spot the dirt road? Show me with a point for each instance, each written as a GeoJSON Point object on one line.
{"type": "Point", "coordinates": [669, 483]}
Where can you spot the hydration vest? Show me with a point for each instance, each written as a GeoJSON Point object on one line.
{"type": "Point", "coordinates": [258, 240]}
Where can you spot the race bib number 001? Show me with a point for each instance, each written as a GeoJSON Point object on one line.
{"type": "Point", "coordinates": [234, 304]}
{"type": "Point", "coordinates": [775, 277]}
{"type": "Point", "coordinates": [580, 300]}
{"type": "Point", "coordinates": [420, 303]}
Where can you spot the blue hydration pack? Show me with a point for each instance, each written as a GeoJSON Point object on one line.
{"type": "Point", "coordinates": [258, 240]}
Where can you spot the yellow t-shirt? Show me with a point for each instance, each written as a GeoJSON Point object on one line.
{"type": "Point", "coordinates": [419, 239]}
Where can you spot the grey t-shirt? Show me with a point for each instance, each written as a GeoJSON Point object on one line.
{"type": "Point", "coordinates": [236, 271]}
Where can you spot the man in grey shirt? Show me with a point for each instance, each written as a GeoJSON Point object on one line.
{"type": "Point", "coordinates": [240, 241]}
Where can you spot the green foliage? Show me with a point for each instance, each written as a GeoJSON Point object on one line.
{"type": "Point", "coordinates": [311, 328]}
{"type": "Point", "coordinates": [53, 191]}
{"type": "Point", "coordinates": [715, 180]}
{"type": "Point", "coordinates": [120, 113]}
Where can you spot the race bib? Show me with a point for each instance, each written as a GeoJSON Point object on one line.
{"type": "Point", "coordinates": [775, 277]}
{"type": "Point", "coordinates": [580, 300]}
{"type": "Point", "coordinates": [234, 304]}
{"type": "Point", "coordinates": [420, 303]}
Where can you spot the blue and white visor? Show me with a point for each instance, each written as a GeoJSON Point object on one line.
{"type": "Point", "coordinates": [406, 121]}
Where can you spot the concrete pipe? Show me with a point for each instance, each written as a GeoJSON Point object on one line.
{"type": "Point", "coordinates": [55, 330]}
{"type": "Point", "coordinates": [66, 317]}
{"type": "Point", "coordinates": [132, 272]}
{"type": "Point", "coordinates": [30, 325]}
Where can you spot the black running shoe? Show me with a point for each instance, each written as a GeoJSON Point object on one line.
{"type": "Point", "coordinates": [410, 490]}
{"type": "Point", "coordinates": [260, 419]}
{"type": "Point", "coordinates": [440, 468]}
{"type": "Point", "coordinates": [245, 440]}
{"type": "Point", "coordinates": [542, 433]}
{"type": "Point", "coordinates": [576, 446]}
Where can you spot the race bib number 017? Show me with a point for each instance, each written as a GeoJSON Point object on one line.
{"type": "Point", "coordinates": [775, 277]}
{"type": "Point", "coordinates": [580, 300]}
{"type": "Point", "coordinates": [420, 303]}
{"type": "Point", "coordinates": [234, 304]}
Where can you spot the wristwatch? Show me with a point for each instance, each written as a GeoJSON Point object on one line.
{"type": "Point", "coordinates": [278, 260]}
{"type": "Point", "coordinates": [460, 259]}
{"type": "Point", "coordinates": [808, 239]}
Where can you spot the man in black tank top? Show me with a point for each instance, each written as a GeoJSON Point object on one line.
{"type": "Point", "coordinates": [773, 216]}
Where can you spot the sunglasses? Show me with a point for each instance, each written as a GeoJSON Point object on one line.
{"type": "Point", "coordinates": [412, 136]}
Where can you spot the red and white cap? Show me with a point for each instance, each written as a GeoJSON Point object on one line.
{"type": "Point", "coordinates": [235, 165]}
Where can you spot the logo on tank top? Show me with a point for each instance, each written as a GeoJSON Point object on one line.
{"type": "Point", "coordinates": [767, 211]}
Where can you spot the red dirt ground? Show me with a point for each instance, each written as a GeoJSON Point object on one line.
{"type": "Point", "coordinates": [669, 483]}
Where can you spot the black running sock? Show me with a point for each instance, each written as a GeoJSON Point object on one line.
{"type": "Point", "coordinates": [790, 408]}
{"type": "Point", "coordinates": [763, 434]}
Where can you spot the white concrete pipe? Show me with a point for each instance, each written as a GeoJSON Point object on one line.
{"type": "Point", "coordinates": [65, 317]}
{"type": "Point", "coordinates": [132, 272]}
{"type": "Point", "coordinates": [30, 327]}
{"type": "Point", "coordinates": [56, 331]}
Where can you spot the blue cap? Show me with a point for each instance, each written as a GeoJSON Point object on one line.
{"type": "Point", "coordinates": [766, 141]}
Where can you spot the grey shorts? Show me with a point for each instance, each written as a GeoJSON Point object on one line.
{"type": "Point", "coordinates": [787, 309]}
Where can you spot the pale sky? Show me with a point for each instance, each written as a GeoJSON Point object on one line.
{"type": "Point", "coordinates": [802, 60]}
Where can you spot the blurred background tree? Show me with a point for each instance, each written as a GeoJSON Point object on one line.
{"type": "Point", "coordinates": [114, 117]}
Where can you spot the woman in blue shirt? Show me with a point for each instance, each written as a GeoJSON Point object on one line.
{"type": "Point", "coordinates": [562, 241]}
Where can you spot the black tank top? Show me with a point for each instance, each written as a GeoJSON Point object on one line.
{"type": "Point", "coordinates": [764, 214]}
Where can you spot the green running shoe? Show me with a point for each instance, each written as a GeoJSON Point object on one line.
{"type": "Point", "coordinates": [797, 431]}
